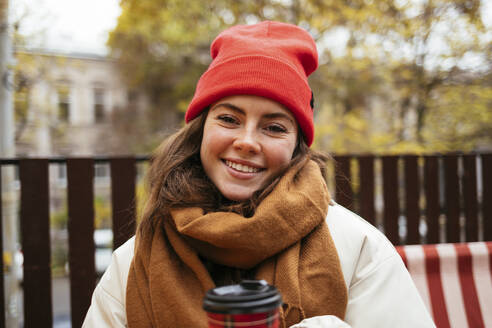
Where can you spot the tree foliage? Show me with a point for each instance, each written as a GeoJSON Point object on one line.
{"type": "Point", "coordinates": [395, 75]}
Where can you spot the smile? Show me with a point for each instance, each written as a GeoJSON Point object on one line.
{"type": "Point", "coordinates": [242, 167]}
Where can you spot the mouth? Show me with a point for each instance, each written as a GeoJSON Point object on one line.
{"type": "Point", "coordinates": [242, 167]}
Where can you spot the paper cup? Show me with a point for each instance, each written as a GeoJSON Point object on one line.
{"type": "Point", "coordinates": [252, 304]}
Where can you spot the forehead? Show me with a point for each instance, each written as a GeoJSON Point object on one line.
{"type": "Point", "coordinates": [254, 104]}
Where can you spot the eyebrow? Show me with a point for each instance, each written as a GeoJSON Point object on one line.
{"type": "Point", "coordinates": [230, 106]}
{"type": "Point", "coordinates": [241, 111]}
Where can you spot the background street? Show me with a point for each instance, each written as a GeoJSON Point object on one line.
{"type": "Point", "coordinates": [61, 302]}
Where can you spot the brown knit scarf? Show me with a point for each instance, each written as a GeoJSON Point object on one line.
{"type": "Point", "coordinates": [287, 241]}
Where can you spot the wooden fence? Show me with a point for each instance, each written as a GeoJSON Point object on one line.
{"type": "Point", "coordinates": [444, 191]}
{"type": "Point", "coordinates": [440, 191]}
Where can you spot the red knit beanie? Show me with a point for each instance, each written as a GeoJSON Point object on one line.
{"type": "Point", "coordinates": [268, 59]}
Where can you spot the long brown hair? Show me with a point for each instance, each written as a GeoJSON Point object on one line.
{"type": "Point", "coordinates": [176, 178]}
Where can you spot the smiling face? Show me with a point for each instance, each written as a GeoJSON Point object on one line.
{"type": "Point", "coordinates": [247, 140]}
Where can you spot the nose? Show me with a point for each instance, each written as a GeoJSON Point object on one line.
{"type": "Point", "coordinates": [247, 141]}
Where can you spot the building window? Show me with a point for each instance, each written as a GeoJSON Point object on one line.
{"type": "Point", "coordinates": [21, 103]}
{"type": "Point", "coordinates": [102, 174]}
{"type": "Point", "coordinates": [101, 171]}
{"type": "Point", "coordinates": [63, 103]}
{"type": "Point", "coordinates": [62, 172]}
{"type": "Point", "coordinates": [99, 104]}
{"type": "Point", "coordinates": [132, 97]}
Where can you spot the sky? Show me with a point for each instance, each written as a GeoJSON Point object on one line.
{"type": "Point", "coordinates": [83, 25]}
{"type": "Point", "coordinates": [66, 25]}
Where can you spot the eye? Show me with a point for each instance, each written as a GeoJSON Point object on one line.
{"type": "Point", "coordinates": [228, 119]}
{"type": "Point", "coordinates": [276, 128]}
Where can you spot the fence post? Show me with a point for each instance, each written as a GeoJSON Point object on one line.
{"type": "Point", "coordinates": [343, 191]}
{"type": "Point", "coordinates": [35, 232]}
{"type": "Point", "coordinates": [366, 176]}
{"type": "Point", "coordinates": [452, 198]}
{"type": "Point", "coordinates": [412, 197]}
{"type": "Point", "coordinates": [487, 196]}
{"type": "Point", "coordinates": [391, 199]}
{"type": "Point", "coordinates": [470, 197]}
{"type": "Point", "coordinates": [432, 206]}
{"type": "Point", "coordinates": [2, 282]}
{"type": "Point", "coordinates": [80, 175]}
{"type": "Point", "coordinates": [123, 175]}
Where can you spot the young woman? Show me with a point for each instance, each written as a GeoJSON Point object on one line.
{"type": "Point", "coordinates": [237, 193]}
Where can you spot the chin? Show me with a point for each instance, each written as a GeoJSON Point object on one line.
{"type": "Point", "coordinates": [237, 196]}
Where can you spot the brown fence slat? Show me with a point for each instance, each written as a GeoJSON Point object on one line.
{"type": "Point", "coordinates": [432, 207]}
{"type": "Point", "coordinates": [390, 196]}
{"type": "Point", "coordinates": [80, 175]}
{"type": "Point", "coordinates": [470, 197]}
{"type": "Point", "coordinates": [2, 282]}
{"type": "Point", "coordinates": [412, 197]}
{"type": "Point", "coordinates": [123, 175]}
{"type": "Point", "coordinates": [452, 198]}
{"type": "Point", "coordinates": [35, 232]}
{"type": "Point", "coordinates": [487, 196]}
{"type": "Point", "coordinates": [366, 199]}
{"type": "Point", "coordinates": [343, 190]}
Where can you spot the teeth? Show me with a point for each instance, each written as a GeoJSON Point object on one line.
{"type": "Point", "coordinates": [241, 167]}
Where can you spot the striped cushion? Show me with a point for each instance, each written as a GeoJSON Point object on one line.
{"type": "Point", "coordinates": [454, 280]}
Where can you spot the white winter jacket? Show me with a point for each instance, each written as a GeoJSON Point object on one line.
{"type": "Point", "coordinates": [381, 292]}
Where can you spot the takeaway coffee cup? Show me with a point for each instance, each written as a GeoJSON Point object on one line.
{"type": "Point", "coordinates": [252, 303]}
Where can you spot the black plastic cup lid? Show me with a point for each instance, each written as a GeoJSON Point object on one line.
{"type": "Point", "coordinates": [250, 296]}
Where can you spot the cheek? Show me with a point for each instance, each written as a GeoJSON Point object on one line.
{"type": "Point", "coordinates": [212, 142]}
{"type": "Point", "coordinates": [205, 147]}
{"type": "Point", "coordinates": [206, 151]}
{"type": "Point", "coordinates": [280, 155]}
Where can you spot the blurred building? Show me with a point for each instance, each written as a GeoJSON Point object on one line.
{"type": "Point", "coordinates": [65, 106]}
{"type": "Point", "coordinates": [68, 101]}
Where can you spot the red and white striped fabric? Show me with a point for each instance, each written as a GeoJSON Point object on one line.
{"type": "Point", "coordinates": [455, 281]}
